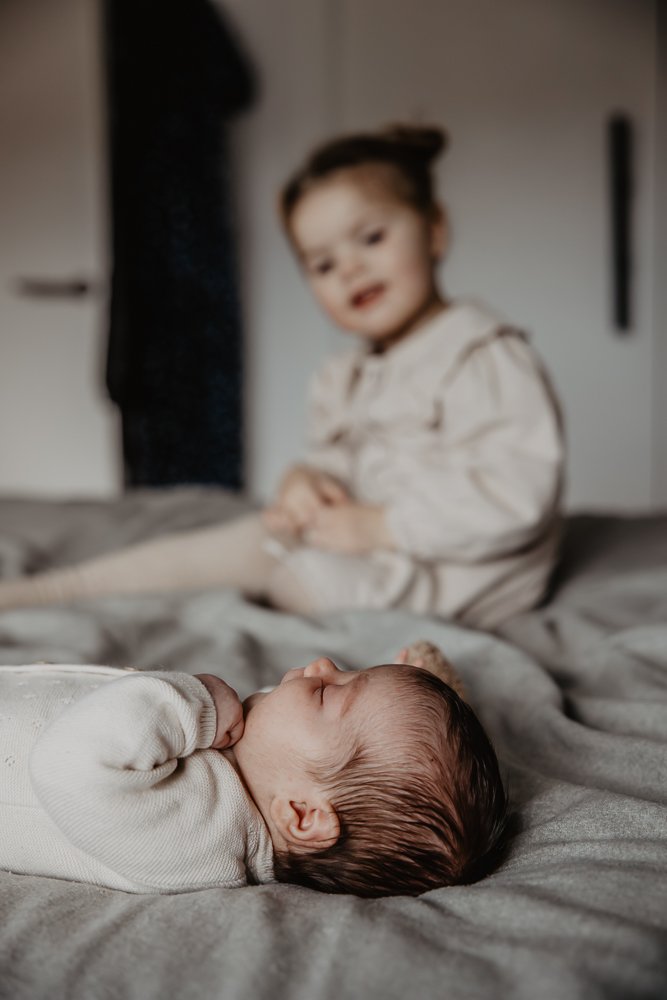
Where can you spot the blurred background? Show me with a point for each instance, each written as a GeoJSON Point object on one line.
{"type": "Point", "coordinates": [142, 143]}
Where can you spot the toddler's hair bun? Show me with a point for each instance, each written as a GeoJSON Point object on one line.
{"type": "Point", "coordinates": [427, 141]}
{"type": "Point", "coordinates": [410, 149]}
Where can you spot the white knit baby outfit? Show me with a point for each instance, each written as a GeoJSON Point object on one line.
{"type": "Point", "coordinates": [107, 777]}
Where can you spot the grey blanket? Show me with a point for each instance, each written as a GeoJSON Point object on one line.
{"type": "Point", "coordinates": [574, 696]}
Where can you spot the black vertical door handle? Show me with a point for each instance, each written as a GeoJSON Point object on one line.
{"type": "Point", "coordinates": [620, 155]}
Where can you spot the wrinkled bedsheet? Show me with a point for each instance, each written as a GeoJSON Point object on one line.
{"type": "Point", "coordinates": [574, 695]}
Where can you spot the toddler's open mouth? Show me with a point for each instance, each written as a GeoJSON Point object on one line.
{"type": "Point", "coordinates": [367, 296]}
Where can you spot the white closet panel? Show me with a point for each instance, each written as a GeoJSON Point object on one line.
{"type": "Point", "coordinates": [58, 433]}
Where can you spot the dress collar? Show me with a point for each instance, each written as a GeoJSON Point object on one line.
{"type": "Point", "coordinates": [461, 324]}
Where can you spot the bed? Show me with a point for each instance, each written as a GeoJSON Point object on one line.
{"type": "Point", "coordinates": [574, 695]}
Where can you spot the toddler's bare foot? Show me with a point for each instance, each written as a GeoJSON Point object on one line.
{"type": "Point", "coordinates": [424, 654]}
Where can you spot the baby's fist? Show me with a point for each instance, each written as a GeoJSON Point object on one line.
{"type": "Point", "coordinates": [229, 710]}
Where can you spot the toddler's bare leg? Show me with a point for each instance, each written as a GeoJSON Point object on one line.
{"type": "Point", "coordinates": [230, 554]}
{"type": "Point", "coordinates": [287, 592]}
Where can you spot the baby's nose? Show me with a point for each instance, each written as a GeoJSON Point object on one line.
{"type": "Point", "coordinates": [321, 667]}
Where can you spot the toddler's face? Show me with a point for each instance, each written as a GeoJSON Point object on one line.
{"type": "Point", "coordinates": [316, 715]}
{"type": "Point", "coordinates": [368, 255]}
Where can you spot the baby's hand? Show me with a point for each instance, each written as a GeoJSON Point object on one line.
{"type": "Point", "coordinates": [229, 729]}
{"type": "Point", "coordinates": [303, 492]}
{"type": "Point", "coordinates": [352, 528]}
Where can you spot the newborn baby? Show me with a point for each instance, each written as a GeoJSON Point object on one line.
{"type": "Point", "coordinates": [374, 782]}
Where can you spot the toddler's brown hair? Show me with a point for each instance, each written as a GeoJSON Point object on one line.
{"type": "Point", "coordinates": [408, 150]}
{"type": "Point", "coordinates": [438, 817]}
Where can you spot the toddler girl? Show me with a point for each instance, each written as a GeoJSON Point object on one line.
{"type": "Point", "coordinates": [433, 476]}
{"type": "Point", "coordinates": [373, 782]}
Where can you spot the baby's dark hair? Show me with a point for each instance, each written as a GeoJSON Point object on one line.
{"type": "Point", "coordinates": [435, 817]}
{"type": "Point", "coordinates": [410, 150]}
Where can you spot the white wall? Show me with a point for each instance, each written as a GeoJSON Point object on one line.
{"type": "Point", "coordinates": [525, 87]}
{"type": "Point", "coordinates": [660, 360]}
{"type": "Point", "coordinates": [289, 42]}
{"type": "Point", "coordinates": [58, 434]}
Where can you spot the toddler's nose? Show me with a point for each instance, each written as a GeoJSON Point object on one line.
{"type": "Point", "coordinates": [351, 266]}
{"type": "Point", "coordinates": [321, 667]}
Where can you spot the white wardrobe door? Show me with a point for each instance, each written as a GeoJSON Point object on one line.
{"type": "Point", "coordinates": [525, 88]}
{"type": "Point", "coordinates": [58, 433]}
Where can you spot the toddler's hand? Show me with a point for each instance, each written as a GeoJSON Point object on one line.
{"type": "Point", "coordinates": [352, 527]}
{"type": "Point", "coordinates": [427, 656]}
{"type": "Point", "coordinates": [303, 492]}
{"type": "Point", "coordinates": [229, 729]}
{"type": "Point", "coordinates": [279, 522]}
{"type": "Point", "coordinates": [402, 657]}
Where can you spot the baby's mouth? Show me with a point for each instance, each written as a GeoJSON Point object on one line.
{"type": "Point", "coordinates": [367, 296]}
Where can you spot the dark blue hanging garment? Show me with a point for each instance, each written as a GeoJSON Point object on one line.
{"type": "Point", "coordinates": [174, 366]}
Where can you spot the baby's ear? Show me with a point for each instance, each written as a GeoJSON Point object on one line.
{"type": "Point", "coordinates": [311, 823]}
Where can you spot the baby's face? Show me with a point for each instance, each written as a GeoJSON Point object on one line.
{"type": "Point", "coordinates": [368, 255]}
{"type": "Point", "coordinates": [317, 716]}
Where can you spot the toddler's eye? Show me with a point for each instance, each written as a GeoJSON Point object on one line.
{"type": "Point", "coordinates": [322, 266]}
{"type": "Point", "coordinates": [375, 236]}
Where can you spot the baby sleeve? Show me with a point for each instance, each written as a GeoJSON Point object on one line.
{"type": "Point", "coordinates": [118, 774]}
{"type": "Point", "coordinates": [485, 483]}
